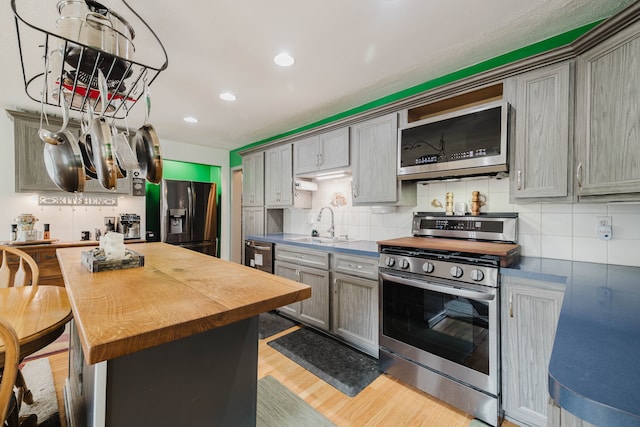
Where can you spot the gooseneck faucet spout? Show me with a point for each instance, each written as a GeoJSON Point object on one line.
{"type": "Point", "coordinates": [332, 229]}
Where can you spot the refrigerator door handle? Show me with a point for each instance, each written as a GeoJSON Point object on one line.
{"type": "Point", "coordinates": [191, 211]}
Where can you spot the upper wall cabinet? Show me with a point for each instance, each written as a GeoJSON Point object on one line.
{"type": "Point", "coordinates": [30, 172]}
{"type": "Point", "coordinates": [326, 151]}
{"type": "Point", "coordinates": [542, 112]}
{"type": "Point", "coordinates": [375, 158]}
{"type": "Point", "coordinates": [253, 179]}
{"type": "Point", "coordinates": [278, 176]}
{"type": "Point", "coordinates": [608, 118]}
{"type": "Point", "coordinates": [278, 180]}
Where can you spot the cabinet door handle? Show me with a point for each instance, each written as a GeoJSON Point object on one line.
{"type": "Point", "coordinates": [519, 179]}
{"type": "Point", "coordinates": [354, 189]}
{"type": "Point", "coordinates": [579, 175]}
{"type": "Point", "coordinates": [297, 275]}
{"type": "Point", "coordinates": [335, 286]}
{"type": "Point", "coordinates": [511, 304]}
{"type": "Point", "coordinates": [319, 159]}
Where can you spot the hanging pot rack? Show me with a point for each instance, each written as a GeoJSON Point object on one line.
{"type": "Point", "coordinates": [76, 75]}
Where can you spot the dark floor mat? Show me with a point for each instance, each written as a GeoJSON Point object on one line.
{"type": "Point", "coordinates": [343, 367]}
{"type": "Point", "coordinates": [271, 323]}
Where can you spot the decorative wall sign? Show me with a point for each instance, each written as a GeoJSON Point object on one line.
{"type": "Point", "coordinates": [76, 200]}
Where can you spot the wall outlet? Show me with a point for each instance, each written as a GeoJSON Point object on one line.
{"type": "Point", "coordinates": [604, 227]}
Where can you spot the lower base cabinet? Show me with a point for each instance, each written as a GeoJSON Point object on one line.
{"type": "Point", "coordinates": [529, 319]}
{"type": "Point", "coordinates": [355, 311]}
{"type": "Point", "coordinates": [345, 306]}
{"type": "Point", "coordinates": [310, 267]}
{"type": "Point", "coordinates": [315, 310]}
{"type": "Point", "coordinates": [559, 417]}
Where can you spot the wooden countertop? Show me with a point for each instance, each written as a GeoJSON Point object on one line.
{"type": "Point", "coordinates": [509, 253]}
{"type": "Point", "coordinates": [178, 293]}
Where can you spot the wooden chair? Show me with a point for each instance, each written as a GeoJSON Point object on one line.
{"type": "Point", "coordinates": [9, 373]}
{"type": "Point", "coordinates": [13, 271]}
{"type": "Point", "coordinates": [19, 269]}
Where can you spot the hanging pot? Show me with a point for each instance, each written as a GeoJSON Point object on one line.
{"type": "Point", "coordinates": [147, 146]}
{"type": "Point", "coordinates": [64, 164]}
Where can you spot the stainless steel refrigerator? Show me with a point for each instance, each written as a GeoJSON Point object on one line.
{"type": "Point", "coordinates": [188, 215]}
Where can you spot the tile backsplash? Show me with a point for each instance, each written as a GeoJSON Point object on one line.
{"type": "Point", "coordinates": [563, 231]}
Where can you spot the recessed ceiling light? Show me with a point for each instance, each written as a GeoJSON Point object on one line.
{"type": "Point", "coordinates": [228, 96]}
{"type": "Point", "coordinates": [190, 120]}
{"type": "Point", "coordinates": [284, 60]}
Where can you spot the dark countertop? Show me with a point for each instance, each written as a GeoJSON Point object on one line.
{"type": "Point", "coordinates": [356, 247]}
{"type": "Point", "coordinates": [593, 371]}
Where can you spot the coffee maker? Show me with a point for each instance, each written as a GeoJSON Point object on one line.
{"type": "Point", "coordinates": [129, 225]}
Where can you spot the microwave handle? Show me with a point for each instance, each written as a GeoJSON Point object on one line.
{"type": "Point", "coordinates": [450, 290]}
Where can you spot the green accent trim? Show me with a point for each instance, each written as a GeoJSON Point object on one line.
{"type": "Point", "coordinates": [537, 48]}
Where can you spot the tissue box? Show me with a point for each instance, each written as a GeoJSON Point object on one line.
{"type": "Point", "coordinates": [94, 261]}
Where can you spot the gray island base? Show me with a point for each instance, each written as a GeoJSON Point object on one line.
{"type": "Point", "coordinates": [204, 379]}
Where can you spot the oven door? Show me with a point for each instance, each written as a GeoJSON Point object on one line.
{"type": "Point", "coordinates": [449, 328]}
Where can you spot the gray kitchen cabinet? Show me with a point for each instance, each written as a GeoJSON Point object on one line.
{"type": "Point", "coordinates": [529, 321]}
{"type": "Point", "coordinates": [278, 179]}
{"type": "Point", "coordinates": [355, 311]}
{"type": "Point", "coordinates": [374, 165]}
{"type": "Point", "coordinates": [327, 151]}
{"type": "Point", "coordinates": [310, 267]}
{"type": "Point", "coordinates": [30, 172]}
{"type": "Point", "coordinates": [542, 110]}
{"type": "Point", "coordinates": [354, 307]}
{"type": "Point", "coordinates": [607, 117]}
{"type": "Point", "coordinates": [253, 179]}
{"type": "Point", "coordinates": [253, 221]}
{"type": "Point", "coordinates": [560, 417]}
{"type": "Point", "coordinates": [288, 271]}
{"type": "Point", "coordinates": [279, 176]}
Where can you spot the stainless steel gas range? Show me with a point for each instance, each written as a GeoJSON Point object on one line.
{"type": "Point", "coordinates": [440, 307]}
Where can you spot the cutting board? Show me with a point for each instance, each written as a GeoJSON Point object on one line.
{"type": "Point", "coordinates": [509, 253]}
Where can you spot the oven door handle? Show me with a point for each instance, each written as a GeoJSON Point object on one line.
{"type": "Point", "coordinates": [450, 290]}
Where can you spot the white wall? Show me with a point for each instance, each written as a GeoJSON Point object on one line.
{"type": "Point", "coordinates": [67, 222]}
{"type": "Point", "coordinates": [562, 231]}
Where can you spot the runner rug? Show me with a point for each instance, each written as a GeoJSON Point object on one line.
{"type": "Point", "coordinates": [271, 323]}
{"type": "Point", "coordinates": [280, 407]}
{"type": "Point", "coordinates": [341, 366]}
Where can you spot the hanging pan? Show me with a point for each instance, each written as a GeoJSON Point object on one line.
{"type": "Point", "coordinates": [63, 161]}
{"type": "Point", "coordinates": [147, 146]}
{"type": "Point", "coordinates": [102, 142]}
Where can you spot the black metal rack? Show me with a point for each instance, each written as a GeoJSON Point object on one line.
{"type": "Point", "coordinates": [76, 70]}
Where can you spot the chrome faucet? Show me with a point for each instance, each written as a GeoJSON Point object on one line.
{"type": "Point", "coordinates": [332, 229]}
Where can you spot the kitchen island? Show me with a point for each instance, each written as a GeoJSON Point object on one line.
{"type": "Point", "coordinates": [174, 342]}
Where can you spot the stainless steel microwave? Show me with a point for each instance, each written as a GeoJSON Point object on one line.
{"type": "Point", "coordinates": [472, 141]}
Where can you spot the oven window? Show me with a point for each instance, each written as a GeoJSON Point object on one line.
{"type": "Point", "coordinates": [452, 327]}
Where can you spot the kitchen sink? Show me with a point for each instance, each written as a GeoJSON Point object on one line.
{"type": "Point", "coordinates": [318, 240]}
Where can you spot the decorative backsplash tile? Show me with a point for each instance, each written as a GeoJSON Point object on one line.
{"type": "Point", "coordinates": [547, 230]}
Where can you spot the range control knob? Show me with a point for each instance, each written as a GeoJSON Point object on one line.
{"type": "Point", "coordinates": [427, 267]}
{"type": "Point", "coordinates": [456, 271]}
{"type": "Point", "coordinates": [390, 261]}
{"type": "Point", "coordinates": [404, 264]}
{"type": "Point", "coordinates": [476, 275]}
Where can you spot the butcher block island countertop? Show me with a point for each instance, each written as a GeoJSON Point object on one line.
{"type": "Point", "coordinates": [174, 342]}
{"type": "Point", "coordinates": [176, 294]}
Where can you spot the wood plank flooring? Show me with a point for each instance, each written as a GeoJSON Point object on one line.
{"type": "Point", "coordinates": [385, 402]}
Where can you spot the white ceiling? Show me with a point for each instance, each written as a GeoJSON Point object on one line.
{"type": "Point", "coordinates": [348, 53]}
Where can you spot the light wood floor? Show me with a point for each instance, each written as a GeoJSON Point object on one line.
{"type": "Point", "coordinates": [385, 402]}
